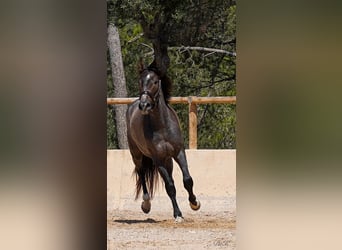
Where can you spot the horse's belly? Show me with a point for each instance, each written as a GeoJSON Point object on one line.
{"type": "Point", "coordinates": [156, 149]}
{"type": "Point", "coordinates": [165, 148]}
{"type": "Point", "coordinates": [161, 151]}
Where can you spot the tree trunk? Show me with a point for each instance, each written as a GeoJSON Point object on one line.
{"type": "Point", "coordinates": [119, 83]}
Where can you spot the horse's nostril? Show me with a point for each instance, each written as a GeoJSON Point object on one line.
{"type": "Point", "coordinates": [144, 106]}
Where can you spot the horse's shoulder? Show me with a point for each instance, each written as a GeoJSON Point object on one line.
{"type": "Point", "coordinates": [170, 108]}
{"type": "Point", "coordinates": [173, 112]}
{"type": "Point", "coordinates": [132, 114]}
{"type": "Point", "coordinates": [132, 107]}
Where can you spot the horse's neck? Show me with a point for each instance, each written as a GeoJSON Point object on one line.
{"type": "Point", "coordinates": [161, 111]}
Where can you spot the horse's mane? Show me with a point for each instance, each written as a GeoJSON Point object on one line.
{"type": "Point", "coordinates": [166, 87]}
{"type": "Point", "coordinates": [166, 82]}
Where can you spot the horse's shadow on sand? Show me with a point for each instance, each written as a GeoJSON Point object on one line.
{"type": "Point", "coordinates": [147, 221]}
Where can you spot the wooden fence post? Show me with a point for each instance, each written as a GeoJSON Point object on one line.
{"type": "Point", "coordinates": [192, 124]}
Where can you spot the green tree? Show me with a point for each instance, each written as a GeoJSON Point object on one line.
{"type": "Point", "coordinates": [182, 29]}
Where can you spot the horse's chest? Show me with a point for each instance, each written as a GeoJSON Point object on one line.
{"type": "Point", "coordinates": [160, 142]}
{"type": "Point", "coordinates": [156, 143]}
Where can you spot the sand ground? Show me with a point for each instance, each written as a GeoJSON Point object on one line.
{"type": "Point", "coordinates": [212, 227]}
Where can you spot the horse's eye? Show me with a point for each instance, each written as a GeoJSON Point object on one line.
{"type": "Point", "coordinates": [155, 82]}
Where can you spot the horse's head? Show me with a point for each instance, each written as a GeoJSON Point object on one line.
{"type": "Point", "coordinates": [149, 85]}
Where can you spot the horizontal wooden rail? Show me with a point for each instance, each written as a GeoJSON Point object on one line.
{"type": "Point", "coordinates": [127, 100]}
{"type": "Point", "coordinates": [176, 100]}
{"type": "Point", "coordinates": [192, 101]}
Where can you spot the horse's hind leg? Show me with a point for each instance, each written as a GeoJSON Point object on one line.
{"type": "Point", "coordinates": [146, 204]}
{"type": "Point", "coordinates": [146, 164]}
{"type": "Point", "coordinates": [166, 173]}
{"type": "Point", "coordinates": [187, 180]}
{"type": "Point", "coordinates": [140, 169]}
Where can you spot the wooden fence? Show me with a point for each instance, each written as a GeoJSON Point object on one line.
{"type": "Point", "coordinates": [192, 101]}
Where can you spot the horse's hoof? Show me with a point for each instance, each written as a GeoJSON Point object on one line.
{"type": "Point", "coordinates": [179, 219]}
{"type": "Point", "coordinates": [146, 206]}
{"type": "Point", "coordinates": [195, 207]}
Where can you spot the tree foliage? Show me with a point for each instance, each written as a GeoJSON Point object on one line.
{"type": "Point", "coordinates": [200, 23]}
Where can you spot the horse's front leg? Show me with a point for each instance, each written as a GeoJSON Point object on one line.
{"type": "Point", "coordinates": [171, 191]}
{"type": "Point", "coordinates": [187, 180]}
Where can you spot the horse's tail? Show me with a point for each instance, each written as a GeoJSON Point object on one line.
{"type": "Point", "coordinates": [151, 177]}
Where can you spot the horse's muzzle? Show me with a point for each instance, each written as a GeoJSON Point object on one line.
{"type": "Point", "coordinates": [145, 107]}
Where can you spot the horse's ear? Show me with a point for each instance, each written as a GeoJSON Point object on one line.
{"type": "Point", "coordinates": [141, 65]}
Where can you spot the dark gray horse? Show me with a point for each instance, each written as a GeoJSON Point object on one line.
{"type": "Point", "coordinates": [154, 138]}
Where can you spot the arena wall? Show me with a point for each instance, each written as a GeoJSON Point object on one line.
{"type": "Point", "coordinates": [213, 172]}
